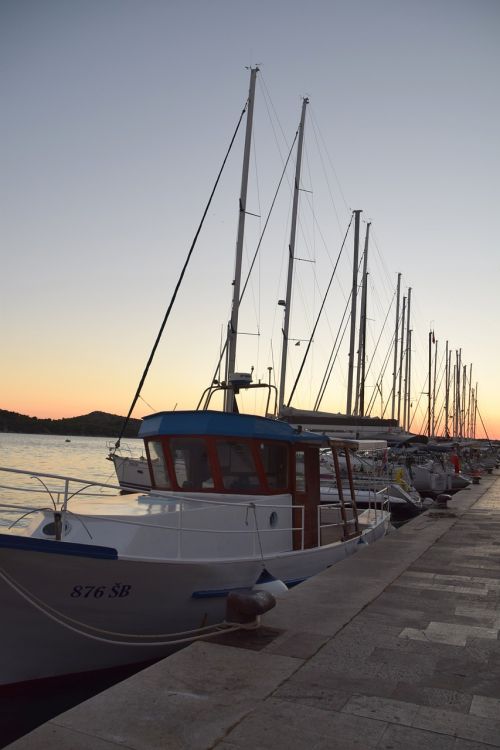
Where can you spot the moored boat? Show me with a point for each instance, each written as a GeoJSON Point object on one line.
{"type": "Point", "coordinates": [100, 583]}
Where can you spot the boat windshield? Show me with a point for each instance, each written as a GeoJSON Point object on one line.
{"type": "Point", "coordinates": [237, 465]}
{"type": "Point", "coordinates": [158, 465]}
{"type": "Point", "coordinates": [191, 464]}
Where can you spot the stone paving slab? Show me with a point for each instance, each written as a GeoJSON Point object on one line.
{"type": "Point", "coordinates": [397, 647]}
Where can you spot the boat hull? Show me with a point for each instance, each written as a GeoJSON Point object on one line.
{"type": "Point", "coordinates": [67, 613]}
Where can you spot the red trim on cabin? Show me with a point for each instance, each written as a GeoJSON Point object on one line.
{"type": "Point", "coordinates": [217, 475]}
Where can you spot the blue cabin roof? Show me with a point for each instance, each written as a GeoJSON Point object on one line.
{"type": "Point", "coordinates": [224, 424]}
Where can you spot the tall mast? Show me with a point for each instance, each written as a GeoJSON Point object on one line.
{"type": "Point", "coordinates": [395, 364]}
{"type": "Point", "coordinates": [436, 342]}
{"type": "Point", "coordinates": [458, 406]}
{"type": "Point", "coordinates": [469, 402]}
{"type": "Point", "coordinates": [291, 255]}
{"type": "Point", "coordinates": [446, 392]}
{"type": "Point", "coordinates": [408, 419]}
{"type": "Point", "coordinates": [464, 398]}
{"type": "Point", "coordinates": [407, 362]}
{"type": "Point", "coordinates": [429, 368]}
{"type": "Point", "coordinates": [454, 424]}
{"type": "Point", "coordinates": [475, 409]}
{"type": "Point", "coordinates": [401, 357]}
{"type": "Point", "coordinates": [354, 294]}
{"type": "Point", "coordinates": [359, 407]}
{"type": "Point", "coordinates": [232, 332]}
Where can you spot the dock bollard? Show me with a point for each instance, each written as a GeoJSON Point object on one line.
{"type": "Point", "coordinates": [442, 500]}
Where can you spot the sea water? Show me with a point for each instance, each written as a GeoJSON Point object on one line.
{"type": "Point", "coordinates": [28, 706]}
{"type": "Point", "coordinates": [63, 455]}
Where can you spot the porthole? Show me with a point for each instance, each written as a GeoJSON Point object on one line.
{"type": "Point", "coordinates": [50, 529]}
{"type": "Point", "coordinates": [273, 519]}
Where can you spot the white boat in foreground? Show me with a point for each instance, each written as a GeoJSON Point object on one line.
{"type": "Point", "coordinates": [92, 584]}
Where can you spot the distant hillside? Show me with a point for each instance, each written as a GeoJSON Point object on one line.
{"type": "Point", "coordinates": [95, 424]}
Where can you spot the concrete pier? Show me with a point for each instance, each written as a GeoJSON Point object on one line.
{"type": "Point", "coordinates": [396, 647]}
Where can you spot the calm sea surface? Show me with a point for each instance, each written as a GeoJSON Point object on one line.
{"type": "Point", "coordinates": [82, 458]}
{"type": "Point", "coordinates": [78, 457]}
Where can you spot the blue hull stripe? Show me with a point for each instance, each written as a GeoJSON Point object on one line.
{"type": "Point", "coordinates": [57, 548]}
{"type": "Point", "coordinates": [214, 593]}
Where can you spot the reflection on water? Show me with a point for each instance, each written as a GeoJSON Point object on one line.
{"type": "Point", "coordinates": [78, 457]}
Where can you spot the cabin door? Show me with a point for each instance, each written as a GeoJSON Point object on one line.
{"type": "Point", "coordinates": [307, 493]}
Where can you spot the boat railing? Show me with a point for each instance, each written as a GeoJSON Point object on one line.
{"type": "Point", "coordinates": [180, 502]}
{"type": "Point", "coordinates": [184, 504]}
{"type": "Point", "coordinates": [59, 492]}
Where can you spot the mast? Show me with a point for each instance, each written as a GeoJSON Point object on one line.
{"type": "Point", "coordinates": [407, 362]}
{"type": "Point", "coordinates": [458, 407]}
{"type": "Point", "coordinates": [446, 390]}
{"type": "Point", "coordinates": [359, 407]}
{"type": "Point", "coordinates": [408, 420]}
{"type": "Point", "coordinates": [354, 293]}
{"type": "Point", "coordinates": [401, 357]}
{"type": "Point", "coordinates": [469, 402]}
{"type": "Point", "coordinates": [232, 332]}
{"type": "Point", "coordinates": [475, 409]}
{"type": "Point", "coordinates": [429, 382]}
{"type": "Point", "coordinates": [395, 364]}
{"type": "Point", "coordinates": [436, 342]}
{"type": "Point", "coordinates": [464, 398]}
{"type": "Point", "coordinates": [454, 425]}
{"type": "Point", "coordinates": [291, 255]}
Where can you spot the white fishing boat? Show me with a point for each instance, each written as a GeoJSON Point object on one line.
{"type": "Point", "coordinates": [91, 584]}
{"type": "Point", "coordinates": [234, 505]}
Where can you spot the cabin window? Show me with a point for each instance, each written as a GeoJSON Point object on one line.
{"type": "Point", "coordinates": [191, 464]}
{"type": "Point", "coordinates": [158, 465]}
{"type": "Point", "coordinates": [300, 471]}
{"type": "Point", "coordinates": [237, 466]}
{"type": "Point", "coordinates": [274, 459]}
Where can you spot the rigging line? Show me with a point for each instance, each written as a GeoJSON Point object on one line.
{"type": "Point", "coordinates": [257, 248]}
{"type": "Point", "coordinates": [380, 335]}
{"type": "Point", "coordinates": [309, 343]}
{"type": "Point", "coordinates": [484, 428]}
{"type": "Point", "coordinates": [268, 100]}
{"type": "Point", "coordinates": [381, 259]}
{"type": "Point", "coordinates": [179, 281]}
{"type": "Point", "coordinates": [422, 393]}
{"type": "Point", "coordinates": [381, 376]}
{"type": "Point", "coordinates": [267, 218]}
{"type": "Point", "coordinates": [333, 168]}
{"type": "Point", "coordinates": [336, 355]}
{"type": "Point", "coordinates": [333, 355]}
{"type": "Point", "coordinates": [325, 174]}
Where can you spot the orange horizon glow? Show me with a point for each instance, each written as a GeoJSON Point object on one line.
{"type": "Point", "coordinates": [68, 409]}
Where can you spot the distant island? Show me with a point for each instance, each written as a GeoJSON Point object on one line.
{"type": "Point", "coordinates": [95, 424]}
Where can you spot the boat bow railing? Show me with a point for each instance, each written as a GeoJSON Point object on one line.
{"type": "Point", "coordinates": [259, 519]}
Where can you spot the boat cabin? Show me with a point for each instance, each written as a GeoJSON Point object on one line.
{"type": "Point", "coordinates": [235, 454]}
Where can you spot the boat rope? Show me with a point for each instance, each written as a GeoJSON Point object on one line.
{"type": "Point", "coordinates": [76, 626]}
{"type": "Point", "coordinates": [254, 508]}
{"type": "Point", "coordinates": [383, 328]}
{"type": "Point", "coordinates": [484, 428]}
{"type": "Point", "coordinates": [247, 279]}
{"type": "Point", "coordinates": [309, 343]}
{"type": "Point", "coordinates": [333, 355]}
{"type": "Point", "coordinates": [179, 281]}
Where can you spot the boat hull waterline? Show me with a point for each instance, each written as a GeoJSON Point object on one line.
{"type": "Point", "coordinates": [65, 614]}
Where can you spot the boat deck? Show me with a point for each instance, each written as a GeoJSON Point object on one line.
{"type": "Point", "coordinates": [397, 646]}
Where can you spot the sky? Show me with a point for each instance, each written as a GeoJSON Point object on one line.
{"type": "Point", "coordinates": [115, 120]}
